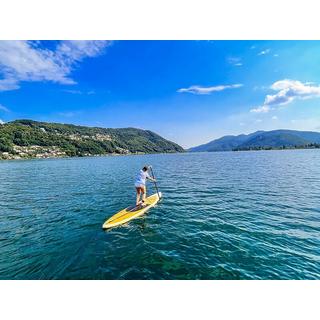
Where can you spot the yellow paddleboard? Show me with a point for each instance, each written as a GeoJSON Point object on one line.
{"type": "Point", "coordinates": [132, 212]}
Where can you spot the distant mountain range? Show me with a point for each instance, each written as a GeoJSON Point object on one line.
{"type": "Point", "coordinates": [33, 139]}
{"type": "Point", "coordinates": [275, 139]}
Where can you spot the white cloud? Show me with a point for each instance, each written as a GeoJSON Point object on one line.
{"type": "Point", "coordinates": [79, 92]}
{"type": "Point", "coordinates": [208, 90]}
{"type": "Point", "coordinates": [258, 120]}
{"type": "Point", "coordinates": [235, 61]}
{"type": "Point", "coordinates": [264, 52]}
{"type": "Point", "coordinates": [274, 118]}
{"type": "Point", "coordinates": [3, 108]}
{"type": "Point", "coordinates": [28, 61]}
{"type": "Point", "coordinates": [1, 121]}
{"type": "Point", "coordinates": [8, 84]}
{"type": "Point", "coordinates": [288, 91]}
{"type": "Point", "coordinates": [261, 109]}
{"type": "Point", "coordinates": [75, 50]}
{"type": "Point", "coordinates": [73, 91]}
{"type": "Point", "coordinates": [276, 55]}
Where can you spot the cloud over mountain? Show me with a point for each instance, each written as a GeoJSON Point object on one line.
{"type": "Point", "coordinates": [287, 91]}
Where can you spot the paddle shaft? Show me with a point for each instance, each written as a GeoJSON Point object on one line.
{"type": "Point", "coordinates": [155, 182]}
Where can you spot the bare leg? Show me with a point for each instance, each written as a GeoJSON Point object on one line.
{"type": "Point", "coordinates": [138, 196]}
{"type": "Point", "coordinates": [144, 192]}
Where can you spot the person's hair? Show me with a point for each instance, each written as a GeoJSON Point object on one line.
{"type": "Point", "coordinates": [145, 168]}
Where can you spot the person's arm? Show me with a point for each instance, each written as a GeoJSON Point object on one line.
{"type": "Point", "coordinates": [150, 178]}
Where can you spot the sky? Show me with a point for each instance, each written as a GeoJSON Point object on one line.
{"type": "Point", "coordinates": [189, 92]}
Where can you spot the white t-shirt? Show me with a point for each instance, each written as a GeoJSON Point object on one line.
{"type": "Point", "coordinates": [141, 177]}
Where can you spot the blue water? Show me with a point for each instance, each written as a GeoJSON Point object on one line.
{"type": "Point", "coordinates": [231, 215]}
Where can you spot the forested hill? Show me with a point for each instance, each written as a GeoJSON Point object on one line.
{"type": "Point", "coordinates": [260, 140]}
{"type": "Point", "coordinates": [28, 138]}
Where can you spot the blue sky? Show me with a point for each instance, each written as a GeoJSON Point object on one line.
{"type": "Point", "coordinates": [187, 91]}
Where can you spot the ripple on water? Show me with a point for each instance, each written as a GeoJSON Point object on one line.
{"type": "Point", "coordinates": [245, 215]}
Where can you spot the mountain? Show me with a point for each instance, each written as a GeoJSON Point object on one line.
{"type": "Point", "coordinates": [275, 139]}
{"type": "Point", "coordinates": [225, 143]}
{"type": "Point", "coordinates": [28, 138]}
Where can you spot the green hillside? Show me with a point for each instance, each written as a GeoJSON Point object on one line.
{"type": "Point", "coordinates": [28, 138]}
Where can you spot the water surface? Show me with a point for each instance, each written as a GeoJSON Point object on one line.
{"type": "Point", "coordinates": [228, 215]}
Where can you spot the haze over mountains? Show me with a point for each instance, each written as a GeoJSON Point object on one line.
{"type": "Point", "coordinates": [275, 139]}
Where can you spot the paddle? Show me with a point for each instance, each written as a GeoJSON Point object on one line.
{"type": "Point", "coordinates": [155, 182]}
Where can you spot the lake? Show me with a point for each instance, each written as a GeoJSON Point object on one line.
{"type": "Point", "coordinates": [224, 215]}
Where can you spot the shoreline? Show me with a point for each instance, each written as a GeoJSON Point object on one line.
{"type": "Point", "coordinates": [255, 150]}
{"type": "Point", "coordinates": [89, 156]}
{"type": "Point", "coordinates": [142, 153]}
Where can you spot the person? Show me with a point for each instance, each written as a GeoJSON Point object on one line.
{"type": "Point", "coordinates": [140, 185]}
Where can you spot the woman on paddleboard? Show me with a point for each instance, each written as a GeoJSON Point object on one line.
{"type": "Point", "coordinates": [140, 184]}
